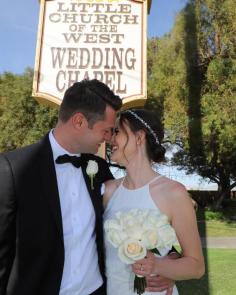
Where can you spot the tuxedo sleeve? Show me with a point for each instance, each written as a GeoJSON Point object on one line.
{"type": "Point", "coordinates": [7, 222]}
{"type": "Point", "coordinates": [105, 173]}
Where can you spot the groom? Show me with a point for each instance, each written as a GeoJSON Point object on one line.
{"type": "Point", "coordinates": [51, 237]}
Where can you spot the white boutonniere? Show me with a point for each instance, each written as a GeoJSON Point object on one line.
{"type": "Point", "coordinates": [92, 170]}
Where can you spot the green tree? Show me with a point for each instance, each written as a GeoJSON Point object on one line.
{"type": "Point", "coordinates": [195, 72]}
{"type": "Point", "coordinates": [22, 119]}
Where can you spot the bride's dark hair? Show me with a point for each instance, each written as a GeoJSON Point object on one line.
{"type": "Point", "coordinates": [141, 119]}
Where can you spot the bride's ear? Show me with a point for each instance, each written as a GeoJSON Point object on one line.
{"type": "Point", "coordinates": [140, 137]}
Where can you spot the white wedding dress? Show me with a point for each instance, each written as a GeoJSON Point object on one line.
{"type": "Point", "coordinates": [120, 278]}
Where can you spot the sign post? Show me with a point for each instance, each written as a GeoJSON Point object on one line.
{"type": "Point", "coordinates": [102, 39]}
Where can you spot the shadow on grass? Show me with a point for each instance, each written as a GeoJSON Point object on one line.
{"type": "Point", "coordinates": [198, 286]}
{"type": "Point", "coordinates": [195, 287]}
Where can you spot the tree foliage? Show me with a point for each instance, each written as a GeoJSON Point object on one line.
{"type": "Point", "coordinates": [194, 71]}
{"type": "Point", "coordinates": [22, 119]}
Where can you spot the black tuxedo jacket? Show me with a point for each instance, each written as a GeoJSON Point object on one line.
{"type": "Point", "coordinates": [31, 234]}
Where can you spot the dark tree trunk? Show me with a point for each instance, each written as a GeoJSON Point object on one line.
{"type": "Point", "coordinates": [223, 192]}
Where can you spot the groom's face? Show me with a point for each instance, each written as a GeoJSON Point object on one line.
{"type": "Point", "coordinates": [100, 132]}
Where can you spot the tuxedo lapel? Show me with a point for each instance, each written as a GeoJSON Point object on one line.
{"type": "Point", "coordinates": [96, 198]}
{"type": "Point", "coordinates": [49, 182]}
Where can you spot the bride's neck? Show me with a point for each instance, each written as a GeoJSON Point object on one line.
{"type": "Point", "coordinates": [138, 174]}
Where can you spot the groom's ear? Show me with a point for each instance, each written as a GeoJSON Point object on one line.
{"type": "Point", "coordinates": [78, 120]}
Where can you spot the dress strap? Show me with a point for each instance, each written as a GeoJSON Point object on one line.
{"type": "Point", "coordinates": [155, 178]}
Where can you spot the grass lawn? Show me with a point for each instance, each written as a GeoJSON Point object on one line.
{"type": "Point", "coordinates": [219, 278]}
{"type": "Point", "coordinates": [216, 228]}
{"type": "Point", "coordinates": [217, 224]}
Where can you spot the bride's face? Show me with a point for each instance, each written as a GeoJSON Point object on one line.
{"type": "Point", "coordinates": [124, 145]}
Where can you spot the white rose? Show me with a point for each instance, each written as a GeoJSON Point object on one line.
{"type": "Point", "coordinates": [150, 239]}
{"type": "Point", "coordinates": [155, 220]}
{"type": "Point", "coordinates": [126, 219]}
{"type": "Point", "coordinates": [92, 168]}
{"type": "Point", "coordinates": [114, 233]}
{"type": "Point", "coordinates": [141, 216]}
{"type": "Point", "coordinates": [135, 232]}
{"type": "Point", "coordinates": [131, 250]}
{"type": "Point", "coordinates": [112, 224]}
{"type": "Point", "coordinates": [116, 237]}
{"type": "Point", "coordinates": [162, 220]}
{"type": "Point", "coordinates": [133, 211]}
{"type": "Point", "coordinates": [168, 236]}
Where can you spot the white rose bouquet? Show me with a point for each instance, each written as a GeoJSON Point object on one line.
{"type": "Point", "coordinates": [137, 231]}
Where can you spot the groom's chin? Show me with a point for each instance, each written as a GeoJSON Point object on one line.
{"type": "Point", "coordinates": [92, 149]}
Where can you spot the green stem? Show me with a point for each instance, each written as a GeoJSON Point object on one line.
{"type": "Point", "coordinates": [140, 285]}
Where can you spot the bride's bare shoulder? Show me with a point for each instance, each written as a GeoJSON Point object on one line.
{"type": "Point", "coordinates": [112, 184]}
{"type": "Point", "coordinates": [110, 187]}
{"type": "Point", "coordinates": [170, 195]}
{"type": "Point", "coordinates": [169, 188]}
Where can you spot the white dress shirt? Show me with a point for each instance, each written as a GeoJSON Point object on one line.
{"type": "Point", "coordinates": [81, 275]}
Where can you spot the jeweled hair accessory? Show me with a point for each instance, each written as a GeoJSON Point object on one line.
{"type": "Point", "coordinates": [145, 124]}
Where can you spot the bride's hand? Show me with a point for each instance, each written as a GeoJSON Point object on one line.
{"type": "Point", "coordinates": [155, 283]}
{"type": "Point", "coordinates": [147, 266]}
{"type": "Point", "coordinates": [159, 284]}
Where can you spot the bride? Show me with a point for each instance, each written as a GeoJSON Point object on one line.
{"type": "Point", "coordinates": [136, 144]}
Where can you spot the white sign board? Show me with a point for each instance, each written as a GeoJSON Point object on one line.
{"type": "Point", "coordinates": [102, 39]}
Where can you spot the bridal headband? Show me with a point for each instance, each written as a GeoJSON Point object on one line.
{"type": "Point", "coordinates": [145, 124]}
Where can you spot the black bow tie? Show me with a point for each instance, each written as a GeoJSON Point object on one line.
{"type": "Point", "coordinates": [74, 160]}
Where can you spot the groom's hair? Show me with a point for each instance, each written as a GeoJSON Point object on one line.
{"type": "Point", "coordinates": [89, 97]}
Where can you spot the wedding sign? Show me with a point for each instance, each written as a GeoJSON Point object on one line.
{"type": "Point", "coordinates": [102, 39]}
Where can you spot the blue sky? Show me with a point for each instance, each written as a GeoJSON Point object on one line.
{"type": "Point", "coordinates": [19, 22]}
